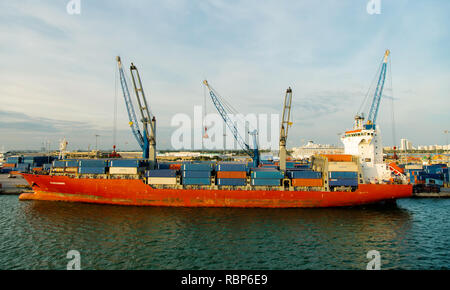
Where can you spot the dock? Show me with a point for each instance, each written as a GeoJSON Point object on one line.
{"type": "Point", "coordinates": [13, 186]}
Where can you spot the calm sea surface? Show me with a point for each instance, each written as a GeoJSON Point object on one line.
{"type": "Point", "coordinates": [38, 235]}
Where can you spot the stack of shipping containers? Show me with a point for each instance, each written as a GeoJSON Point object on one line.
{"type": "Point", "coordinates": [127, 166]}
{"type": "Point", "coordinates": [25, 164]}
{"type": "Point", "coordinates": [166, 173]}
{"type": "Point", "coordinates": [196, 173]}
{"type": "Point", "coordinates": [92, 166]}
{"type": "Point", "coordinates": [342, 171]}
{"type": "Point", "coordinates": [231, 174]}
{"type": "Point", "coordinates": [266, 176]}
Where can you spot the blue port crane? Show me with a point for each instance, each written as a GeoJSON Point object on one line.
{"type": "Point", "coordinates": [373, 112]}
{"type": "Point", "coordinates": [146, 140]}
{"type": "Point", "coordinates": [225, 114]}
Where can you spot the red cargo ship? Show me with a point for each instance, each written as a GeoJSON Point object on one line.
{"type": "Point", "coordinates": [136, 192]}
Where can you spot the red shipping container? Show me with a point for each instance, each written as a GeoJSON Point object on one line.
{"type": "Point", "coordinates": [338, 157]}
{"type": "Point", "coordinates": [9, 165]}
{"type": "Point", "coordinates": [175, 166]}
{"type": "Point", "coordinates": [307, 182]}
{"type": "Point", "coordinates": [231, 174]}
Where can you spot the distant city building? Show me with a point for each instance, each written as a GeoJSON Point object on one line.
{"type": "Point", "coordinates": [311, 148]}
{"type": "Point", "coordinates": [405, 144]}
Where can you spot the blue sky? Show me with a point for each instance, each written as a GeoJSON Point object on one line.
{"type": "Point", "coordinates": [57, 71]}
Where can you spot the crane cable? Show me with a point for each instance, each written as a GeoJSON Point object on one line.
{"type": "Point", "coordinates": [116, 88]}
{"type": "Point", "coordinates": [394, 137]}
{"type": "Point", "coordinates": [365, 102]}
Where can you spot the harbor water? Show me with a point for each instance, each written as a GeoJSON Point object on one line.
{"type": "Point", "coordinates": [415, 234]}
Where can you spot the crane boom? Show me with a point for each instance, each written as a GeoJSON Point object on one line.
{"type": "Point", "coordinates": [372, 117]}
{"type": "Point", "coordinates": [148, 120]}
{"type": "Point", "coordinates": [285, 123]}
{"type": "Point", "coordinates": [254, 154]}
{"type": "Point", "coordinates": [130, 109]}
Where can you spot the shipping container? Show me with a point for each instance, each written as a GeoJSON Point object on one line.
{"type": "Point", "coordinates": [266, 182]}
{"type": "Point", "coordinates": [232, 181]}
{"type": "Point", "coordinates": [93, 163]}
{"type": "Point", "coordinates": [71, 169]}
{"type": "Point", "coordinates": [9, 165]}
{"type": "Point", "coordinates": [14, 159]}
{"type": "Point", "coordinates": [231, 174]}
{"type": "Point", "coordinates": [231, 167]}
{"type": "Point", "coordinates": [342, 166]}
{"type": "Point", "coordinates": [72, 163]}
{"type": "Point", "coordinates": [343, 174]}
{"type": "Point", "coordinates": [271, 174]}
{"type": "Point", "coordinates": [128, 163]}
{"type": "Point", "coordinates": [308, 174]}
{"type": "Point", "coordinates": [58, 169]}
{"type": "Point", "coordinates": [162, 180]}
{"type": "Point", "coordinates": [175, 166]}
{"type": "Point", "coordinates": [196, 174]}
{"type": "Point", "coordinates": [126, 170]}
{"type": "Point", "coordinates": [196, 181]}
{"type": "Point", "coordinates": [343, 182]}
{"type": "Point", "coordinates": [414, 166]}
{"type": "Point", "coordinates": [161, 173]}
{"type": "Point", "coordinates": [59, 163]}
{"type": "Point", "coordinates": [338, 157]}
{"type": "Point", "coordinates": [434, 181]}
{"type": "Point", "coordinates": [307, 182]}
{"type": "Point", "coordinates": [197, 166]}
{"type": "Point", "coordinates": [92, 170]}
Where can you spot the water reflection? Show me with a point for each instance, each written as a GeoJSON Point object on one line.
{"type": "Point", "coordinates": [215, 238]}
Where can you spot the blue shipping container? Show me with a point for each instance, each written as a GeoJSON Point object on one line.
{"type": "Point", "coordinates": [13, 159]}
{"type": "Point", "coordinates": [59, 163]}
{"type": "Point", "coordinates": [231, 167]}
{"type": "Point", "coordinates": [197, 166]}
{"type": "Point", "coordinates": [266, 182]}
{"type": "Point", "coordinates": [196, 174]}
{"type": "Point", "coordinates": [72, 163]}
{"type": "Point", "coordinates": [342, 174]}
{"type": "Point", "coordinates": [127, 163]}
{"type": "Point", "coordinates": [196, 181]}
{"type": "Point", "coordinates": [93, 163]}
{"type": "Point", "coordinates": [163, 166]}
{"type": "Point", "coordinates": [232, 181]}
{"type": "Point", "coordinates": [434, 181]}
{"type": "Point", "coordinates": [343, 182]}
{"type": "Point", "coordinates": [161, 173]}
{"type": "Point", "coordinates": [307, 174]}
{"type": "Point", "coordinates": [92, 170]}
{"type": "Point", "coordinates": [271, 174]}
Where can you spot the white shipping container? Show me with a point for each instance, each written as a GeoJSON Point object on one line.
{"type": "Point", "coordinates": [413, 166]}
{"type": "Point", "coordinates": [342, 166]}
{"type": "Point", "coordinates": [162, 180]}
{"type": "Point", "coordinates": [124, 170]}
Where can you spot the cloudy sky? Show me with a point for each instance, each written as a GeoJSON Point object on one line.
{"type": "Point", "coordinates": [58, 71]}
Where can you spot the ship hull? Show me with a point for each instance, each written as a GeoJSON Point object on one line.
{"type": "Point", "coordinates": [135, 192]}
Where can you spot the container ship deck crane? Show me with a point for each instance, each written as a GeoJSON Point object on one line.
{"type": "Point", "coordinates": [224, 113]}
{"type": "Point", "coordinates": [285, 123]}
{"type": "Point", "coordinates": [147, 139]}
